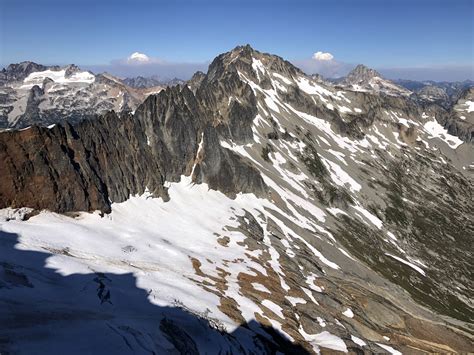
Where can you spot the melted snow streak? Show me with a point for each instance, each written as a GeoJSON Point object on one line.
{"type": "Point", "coordinates": [413, 266]}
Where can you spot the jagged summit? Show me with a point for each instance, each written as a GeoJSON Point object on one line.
{"type": "Point", "coordinates": [363, 78]}
{"type": "Point", "coordinates": [361, 74]}
{"type": "Point", "coordinates": [196, 80]}
{"type": "Point", "coordinates": [249, 61]}
{"type": "Point", "coordinates": [19, 71]}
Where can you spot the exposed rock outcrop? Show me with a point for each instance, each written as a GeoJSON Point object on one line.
{"type": "Point", "coordinates": [460, 120]}
{"type": "Point", "coordinates": [81, 167]}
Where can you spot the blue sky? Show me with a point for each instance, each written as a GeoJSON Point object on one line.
{"type": "Point", "coordinates": [401, 38]}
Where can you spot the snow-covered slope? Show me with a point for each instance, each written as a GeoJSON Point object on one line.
{"type": "Point", "coordinates": [357, 237]}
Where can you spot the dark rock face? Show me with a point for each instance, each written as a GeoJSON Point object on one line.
{"type": "Point", "coordinates": [463, 129]}
{"type": "Point", "coordinates": [218, 92]}
{"type": "Point", "coordinates": [172, 121]}
{"type": "Point", "coordinates": [224, 170]}
{"type": "Point", "coordinates": [82, 167]}
{"type": "Point", "coordinates": [34, 100]}
{"type": "Point", "coordinates": [20, 71]}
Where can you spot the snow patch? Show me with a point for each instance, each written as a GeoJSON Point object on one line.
{"type": "Point", "coordinates": [373, 219]}
{"type": "Point", "coordinates": [358, 341]}
{"type": "Point", "coordinates": [260, 287]}
{"type": "Point", "coordinates": [311, 88]}
{"type": "Point", "coordinates": [274, 308]}
{"type": "Point", "coordinates": [434, 129]}
{"type": "Point", "coordinates": [348, 313]}
{"type": "Point", "coordinates": [325, 340]}
{"type": "Point", "coordinates": [389, 349]}
{"type": "Point", "coordinates": [470, 106]}
{"type": "Point", "coordinates": [295, 300]}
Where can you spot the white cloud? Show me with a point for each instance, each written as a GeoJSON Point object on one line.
{"type": "Point", "coordinates": [323, 56]}
{"type": "Point", "coordinates": [138, 57]}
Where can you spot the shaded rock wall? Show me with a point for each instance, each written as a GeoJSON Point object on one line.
{"type": "Point", "coordinates": [81, 167]}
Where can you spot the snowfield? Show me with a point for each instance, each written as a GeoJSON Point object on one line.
{"type": "Point", "coordinates": [58, 76]}
{"type": "Point", "coordinates": [148, 237]}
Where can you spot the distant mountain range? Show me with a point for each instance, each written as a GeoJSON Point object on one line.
{"type": "Point", "coordinates": [141, 82]}
{"type": "Point", "coordinates": [32, 93]}
{"type": "Point", "coordinates": [362, 78]}
{"type": "Point", "coordinates": [444, 93]}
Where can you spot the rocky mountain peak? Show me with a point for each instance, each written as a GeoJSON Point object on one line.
{"type": "Point", "coordinates": [361, 74]}
{"type": "Point", "coordinates": [19, 71]}
{"type": "Point", "coordinates": [238, 59]}
{"type": "Point", "coordinates": [362, 78]}
{"type": "Point", "coordinates": [242, 51]}
{"type": "Point", "coordinates": [317, 77]}
{"type": "Point", "coordinates": [72, 69]}
{"type": "Point", "coordinates": [26, 66]}
{"type": "Point", "coordinates": [35, 94]}
{"type": "Point", "coordinates": [141, 82]}
{"type": "Point", "coordinates": [196, 80]}
{"type": "Point", "coordinates": [251, 63]}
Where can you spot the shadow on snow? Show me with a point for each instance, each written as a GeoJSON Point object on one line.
{"type": "Point", "coordinates": [42, 311]}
